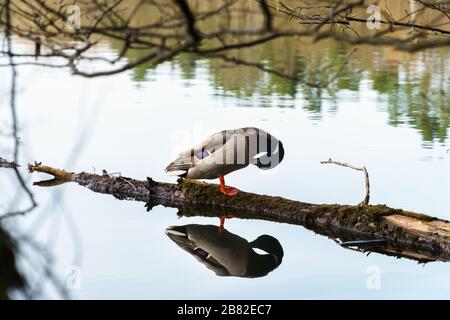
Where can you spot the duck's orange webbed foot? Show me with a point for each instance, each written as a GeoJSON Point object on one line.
{"type": "Point", "coordinates": [229, 191]}
{"type": "Point", "coordinates": [222, 221]}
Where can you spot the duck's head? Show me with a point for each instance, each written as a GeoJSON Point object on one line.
{"type": "Point", "coordinates": [273, 157]}
{"type": "Point", "coordinates": [270, 259]}
{"type": "Point", "coordinates": [270, 245]}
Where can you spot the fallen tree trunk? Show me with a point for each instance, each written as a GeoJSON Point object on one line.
{"type": "Point", "coordinates": [408, 234]}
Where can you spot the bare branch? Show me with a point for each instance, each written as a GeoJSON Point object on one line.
{"type": "Point", "coordinates": [366, 177]}
{"type": "Point", "coordinates": [7, 164]}
{"type": "Point", "coordinates": [267, 15]}
{"type": "Point", "coordinates": [190, 20]}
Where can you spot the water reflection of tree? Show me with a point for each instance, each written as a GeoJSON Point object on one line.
{"type": "Point", "coordinates": [416, 98]}
{"type": "Point", "coordinates": [420, 101]}
{"type": "Point", "coordinates": [9, 276]}
{"type": "Point", "coordinates": [27, 268]}
{"type": "Point", "coordinates": [279, 39]}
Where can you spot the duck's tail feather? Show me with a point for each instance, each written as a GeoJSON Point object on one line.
{"type": "Point", "coordinates": [178, 173]}
{"type": "Point", "coordinates": [180, 167]}
{"type": "Point", "coordinates": [179, 235]}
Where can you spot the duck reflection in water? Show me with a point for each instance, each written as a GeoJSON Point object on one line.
{"type": "Point", "coordinates": [228, 254]}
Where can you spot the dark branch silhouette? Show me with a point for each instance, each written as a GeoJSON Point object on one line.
{"type": "Point", "coordinates": [173, 27]}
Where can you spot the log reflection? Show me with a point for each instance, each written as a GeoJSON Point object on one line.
{"type": "Point", "coordinates": [341, 236]}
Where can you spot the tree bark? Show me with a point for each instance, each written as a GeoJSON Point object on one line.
{"type": "Point", "coordinates": [408, 234]}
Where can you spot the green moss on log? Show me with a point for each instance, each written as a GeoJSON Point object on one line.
{"type": "Point", "coordinates": [347, 215]}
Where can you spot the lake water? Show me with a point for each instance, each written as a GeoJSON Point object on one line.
{"type": "Point", "coordinates": [386, 110]}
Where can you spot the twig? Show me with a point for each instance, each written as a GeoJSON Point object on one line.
{"type": "Point", "coordinates": [125, 180]}
{"type": "Point", "coordinates": [366, 177]}
{"type": "Point", "coordinates": [7, 164]}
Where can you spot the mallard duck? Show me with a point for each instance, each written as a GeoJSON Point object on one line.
{"type": "Point", "coordinates": [228, 151]}
{"type": "Point", "coordinates": [228, 254]}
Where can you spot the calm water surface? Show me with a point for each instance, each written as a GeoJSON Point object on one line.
{"type": "Point", "coordinates": [136, 122]}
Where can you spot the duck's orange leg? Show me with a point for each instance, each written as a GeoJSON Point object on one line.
{"type": "Point", "coordinates": [229, 191]}
{"type": "Point", "coordinates": [222, 221]}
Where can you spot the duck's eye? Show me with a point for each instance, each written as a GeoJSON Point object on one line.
{"type": "Point", "coordinates": [202, 154]}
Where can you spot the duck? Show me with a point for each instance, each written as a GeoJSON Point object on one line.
{"type": "Point", "coordinates": [225, 152]}
{"type": "Point", "coordinates": [226, 253]}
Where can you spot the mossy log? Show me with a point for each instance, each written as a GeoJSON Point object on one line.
{"type": "Point", "coordinates": [408, 234]}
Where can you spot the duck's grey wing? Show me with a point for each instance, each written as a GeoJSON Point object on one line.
{"type": "Point", "coordinates": [213, 142]}
{"type": "Point", "coordinates": [190, 157]}
{"type": "Point", "coordinates": [178, 234]}
{"type": "Point", "coordinates": [227, 249]}
{"type": "Point", "coordinates": [225, 159]}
